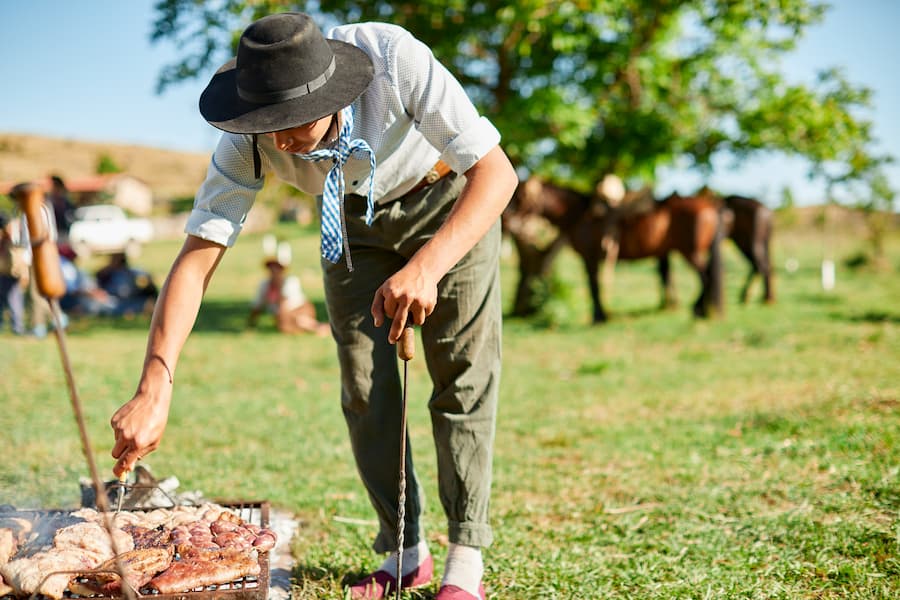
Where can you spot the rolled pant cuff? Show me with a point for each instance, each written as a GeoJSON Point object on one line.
{"type": "Point", "coordinates": [470, 534]}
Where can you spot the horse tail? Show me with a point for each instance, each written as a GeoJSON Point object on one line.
{"type": "Point", "coordinates": [714, 270]}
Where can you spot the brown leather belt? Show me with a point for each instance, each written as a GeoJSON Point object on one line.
{"type": "Point", "coordinates": [439, 170]}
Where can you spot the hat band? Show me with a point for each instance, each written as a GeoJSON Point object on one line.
{"type": "Point", "coordinates": [290, 93]}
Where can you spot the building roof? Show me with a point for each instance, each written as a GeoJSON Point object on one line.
{"type": "Point", "coordinates": [76, 185]}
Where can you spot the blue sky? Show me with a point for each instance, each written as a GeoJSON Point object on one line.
{"type": "Point", "coordinates": [87, 70]}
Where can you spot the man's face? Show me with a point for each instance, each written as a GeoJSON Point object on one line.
{"type": "Point", "coordinates": [302, 139]}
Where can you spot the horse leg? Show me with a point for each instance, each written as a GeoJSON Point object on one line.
{"type": "Point", "coordinates": [669, 295]}
{"type": "Point", "coordinates": [700, 307]}
{"type": "Point", "coordinates": [529, 272]}
{"type": "Point", "coordinates": [745, 291]}
{"type": "Point", "coordinates": [765, 268]}
{"type": "Point", "coordinates": [591, 266]}
{"type": "Point", "coordinates": [534, 267]}
{"type": "Point", "coordinates": [711, 276]}
{"type": "Point", "coordinates": [714, 276]}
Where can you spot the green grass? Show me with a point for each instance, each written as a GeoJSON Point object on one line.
{"type": "Point", "coordinates": [753, 456]}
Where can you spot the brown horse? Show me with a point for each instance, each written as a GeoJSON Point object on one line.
{"type": "Point", "coordinates": [752, 233]}
{"type": "Point", "coordinates": [690, 226]}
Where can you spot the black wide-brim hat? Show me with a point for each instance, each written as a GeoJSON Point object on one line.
{"type": "Point", "coordinates": [286, 74]}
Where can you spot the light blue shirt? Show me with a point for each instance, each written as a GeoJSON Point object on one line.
{"type": "Point", "coordinates": [413, 113]}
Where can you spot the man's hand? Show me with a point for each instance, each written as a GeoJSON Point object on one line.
{"type": "Point", "coordinates": [409, 293]}
{"type": "Point", "coordinates": [413, 289]}
{"type": "Point", "coordinates": [139, 425]}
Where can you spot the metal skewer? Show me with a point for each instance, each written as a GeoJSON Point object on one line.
{"type": "Point", "coordinates": [406, 348]}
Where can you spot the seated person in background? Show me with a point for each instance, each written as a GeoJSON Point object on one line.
{"type": "Point", "coordinates": [281, 295]}
{"type": "Point", "coordinates": [83, 296]}
{"type": "Point", "coordinates": [133, 288]}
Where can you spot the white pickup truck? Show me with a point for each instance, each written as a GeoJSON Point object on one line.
{"type": "Point", "coordinates": [106, 229]}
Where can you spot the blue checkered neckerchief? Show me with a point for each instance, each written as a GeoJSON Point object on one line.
{"type": "Point", "coordinates": [334, 226]}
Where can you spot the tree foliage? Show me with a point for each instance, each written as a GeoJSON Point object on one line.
{"type": "Point", "coordinates": [581, 88]}
{"type": "Point", "coordinates": [106, 165]}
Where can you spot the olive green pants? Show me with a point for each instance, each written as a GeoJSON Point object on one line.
{"type": "Point", "coordinates": [461, 345]}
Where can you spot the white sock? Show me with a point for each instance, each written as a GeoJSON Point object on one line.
{"type": "Point", "coordinates": [464, 568]}
{"type": "Point", "coordinates": [412, 558]}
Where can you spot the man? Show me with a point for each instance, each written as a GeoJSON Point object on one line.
{"type": "Point", "coordinates": [13, 273]}
{"type": "Point", "coordinates": [41, 311]}
{"type": "Point", "coordinates": [63, 208]}
{"type": "Point", "coordinates": [412, 183]}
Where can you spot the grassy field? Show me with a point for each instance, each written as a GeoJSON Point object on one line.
{"type": "Point", "coordinates": [659, 457]}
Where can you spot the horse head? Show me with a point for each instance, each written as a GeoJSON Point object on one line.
{"type": "Point", "coordinates": [530, 195]}
{"type": "Point", "coordinates": [559, 205]}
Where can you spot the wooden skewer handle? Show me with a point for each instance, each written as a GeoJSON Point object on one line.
{"type": "Point", "coordinates": [406, 345]}
{"type": "Point", "coordinates": [45, 256]}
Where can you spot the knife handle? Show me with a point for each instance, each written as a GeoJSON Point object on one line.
{"type": "Point", "coordinates": [120, 493]}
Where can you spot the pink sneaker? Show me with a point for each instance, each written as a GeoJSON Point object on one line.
{"type": "Point", "coordinates": [451, 592]}
{"type": "Point", "coordinates": [380, 583]}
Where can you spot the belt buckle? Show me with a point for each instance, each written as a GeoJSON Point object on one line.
{"type": "Point", "coordinates": [432, 176]}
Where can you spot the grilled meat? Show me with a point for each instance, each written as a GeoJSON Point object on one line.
{"type": "Point", "coordinates": [30, 575]}
{"type": "Point", "coordinates": [195, 572]}
{"type": "Point", "coordinates": [215, 546]}
{"type": "Point", "coordinates": [158, 537]}
{"type": "Point", "coordinates": [20, 527]}
{"type": "Point", "coordinates": [140, 566]}
{"type": "Point", "coordinates": [8, 545]}
{"type": "Point", "coordinates": [93, 539]}
{"type": "Point", "coordinates": [75, 548]}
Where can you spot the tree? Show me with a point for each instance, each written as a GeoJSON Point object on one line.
{"type": "Point", "coordinates": [106, 165]}
{"type": "Point", "coordinates": [582, 88]}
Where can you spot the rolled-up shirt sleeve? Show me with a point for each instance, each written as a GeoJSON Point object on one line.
{"type": "Point", "coordinates": [470, 145]}
{"type": "Point", "coordinates": [227, 194]}
{"type": "Point", "coordinates": [442, 110]}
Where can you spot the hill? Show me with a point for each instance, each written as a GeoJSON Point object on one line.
{"type": "Point", "coordinates": [169, 174]}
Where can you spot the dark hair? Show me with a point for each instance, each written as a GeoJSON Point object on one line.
{"type": "Point", "coordinates": [58, 181]}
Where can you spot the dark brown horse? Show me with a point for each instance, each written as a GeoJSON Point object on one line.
{"type": "Point", "coordinates": [690, 226]}
{"type": "Point", "coordinates": [750, 228]}
{"type": "Point", "coordinates": [752, 233]}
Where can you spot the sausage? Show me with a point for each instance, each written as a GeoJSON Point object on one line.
{"type": "Point", "coordinates": [222, 526]}
{"type": "Point", "coordinates": [265, 541]}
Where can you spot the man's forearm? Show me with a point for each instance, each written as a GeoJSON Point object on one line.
{"type": "Point", "coordinates": [178, 304]}
{"type": "Point", "coordinates": [490, 185]}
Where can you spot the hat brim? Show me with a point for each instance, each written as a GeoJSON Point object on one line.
{"type": "Point", "coordinates": [224, 109]}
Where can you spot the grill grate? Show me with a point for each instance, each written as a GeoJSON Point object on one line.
{"type": "Point", "coordinates": [255, 587]}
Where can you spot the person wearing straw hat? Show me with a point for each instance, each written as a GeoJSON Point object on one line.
{"type": "Point", "coordinates": [281, 295]}
{"type": "Point", "coordinates": [411, 182]}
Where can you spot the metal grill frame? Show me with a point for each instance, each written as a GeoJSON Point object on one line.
{"type": "Point", "coordinates": [253, 588]}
